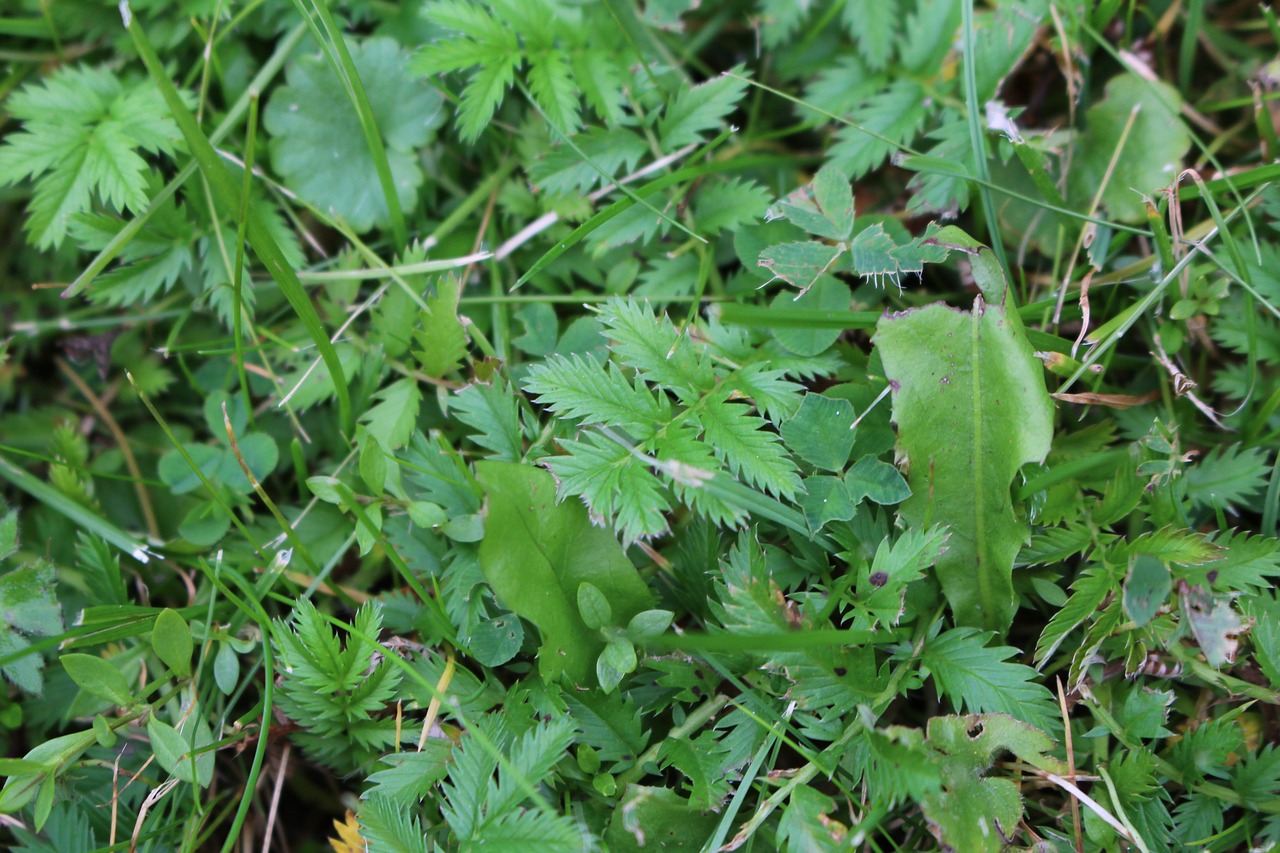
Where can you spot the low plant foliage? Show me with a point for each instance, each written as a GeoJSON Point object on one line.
{"type": "Point", "coordinates": [765, 425]}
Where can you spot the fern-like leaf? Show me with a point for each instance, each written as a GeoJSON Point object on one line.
{"type": "Point", "coordinates": [576, 387]}
{"type": "Point", "coordinates": [981, 679]}
{"type": "Point", "coordinates": [751, 452]}
{"type": "Point", "coordinates": [614, 483]}
{"type": "Point", "coordinates": [702, 108]}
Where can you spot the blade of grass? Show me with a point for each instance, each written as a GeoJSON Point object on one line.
{"type": "Point", "coordinates": [335, 50]}
{"type": "Point", "coordinates": [977, 134]}
{"type": "Point", "coordinates": [238, 275]}
{"type": "Point", "coordinates": [84, 519]}
{"type": "Point", "coordinates": [264, 245]}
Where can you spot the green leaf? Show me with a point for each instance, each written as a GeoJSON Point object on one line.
{"type": "Point", "coordinates": [171, 749]}
{"type": "Point", "coordinates": [894, 114]}
{"type": "Point", "coordinates": [825, 499]}
{"type": "Point", "coordinates": [971, 409]}
{"type": "Point", "coordinates": [391, 826]}
{"type": "Point", "coordinates": [82, 131]}
{"type": "Point", "coordinates": [373, 465]}
{"type": "Point", "coordinates": [824, 208]}
{"type": "Point", "coordinates": [652, 345]}
{"type": "Point", "coordinates": [819, 432]}
{"type": "Point", "coordinates": [982, 679]}
{"type": "Point", "coordinates": [800, 264]}
{"type": "Point", "coordinates": [393, 420]}
{"type": "Point", "coordinates": [1229, 476]}
{"type": "Point", "coordinates": [578, 388]}
{"type": "Point", "coordinates": [319, 147]}
{"type": "Point", "coordinates": [98, 677]}
{"type": "Point", "coordinates": [974, 812]}
{"type": "Point", "coordinates": [656, 818]}
{"type": "Point", "coordinates": [725, 205]}
{"type": "Point", "coordinates": [226, 669]}
{"type": "Point", "coordinates": [649, 625]}
{"type": "Point", "coordinates": [878, 481]}
{"type": "Point", "coordinates": [615, 484]}
{"type": "Point", "coordinates": [1089, 590]}
{"type": "Point", "coordinates": [882, 588]}
{"type": "Point", "coordinates": [171, 641]}
{"type": "Point", "coordinates": [702, 108]}
{"type": "Point", "coordinates": [1152, 153]}
{"type": "Point", "coordinates": [535, 554]}
{"type": "Point", "coordinates": [751, 452]}
{"type": "Point", "coordinates": [28, 606]}
{"type": "Point", "coordinates": [493, 411]}
{"type": "Point", "coordinates": [593, 607]}
{"type": "Point", "coordinates": [442, 339]}
{"type": "Point", "coordinates": [1146, 588]}
{"type": "Point", "coordinates": [874, 25]}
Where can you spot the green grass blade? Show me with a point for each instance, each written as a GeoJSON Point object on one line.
{"type": "Point", "coordinates": [264, 245]}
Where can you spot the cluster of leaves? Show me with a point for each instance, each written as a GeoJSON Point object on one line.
{"type": "Point", "coordinates": [751, 551]}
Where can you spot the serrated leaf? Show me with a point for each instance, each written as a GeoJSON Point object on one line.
{"type": "Point", "coordinates": [739, 439]}
{"type": "Point", "coordinates": [393, 420]}
{"type": "Point", "coordinates": [981, 678]}
{"type": "Point", "coordinates": [874, 25]}
{"type": "Point", "coordinates": [695, 111]}
{"type": "Point", "coordinates": [1229, 476]}
{"type": "Point", "coordinates": [82, 129]}
{"type": "Point", "coordinates": [800, 264]}
{"type": "Point", "coordinates": [655, 348]}
{"type": "Point", "coordinates": [1089, 590]}
{"type": "Point", "coordinates": [615, 484]}
{"type": "Point", "coordinates": [894, 115]}
{"type": "Point", "coordinates": [27, 606]}
{"type": "Point", "coordinates": [319, 147]}
{"type": "Point", "coordinates": [442, 339]}
{"type": "Point", "coordinates": [493, 411]}
{"type": "Point", "coordinates": [722, 205]}
{"type": "Point", "coordinates": [881, 591]}
{"type": "Point", "coordinates": [578, 388]}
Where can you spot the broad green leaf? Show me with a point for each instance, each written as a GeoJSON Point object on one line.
{"type": "Point", "coordinates": [657, 818]}
{"type": "Point", "coordinates": [826, 294]}
{"type": "Point", "coordinates": [973, 812]}
{"type": "Point", "coordinates": [54, 755]}
{"type": "Point", "coordinates": [593, 607]}
{"type": "Point", "coordinates": [819, 432]}
{"type": "Point", "coordinates": [1152, 152]}
{"type": "Point", "coordinates": [171, 640]}
{"type": "Point", "coordinates": [318, 145]}
{"type": "Point", "coordinates": [535, 554]}
{"type": "Point", "coordinates": [98, 677]}
{"type": "Point", "coordinates": [226, 669]}
{"type": "Point", "coordinates": [971, 409]}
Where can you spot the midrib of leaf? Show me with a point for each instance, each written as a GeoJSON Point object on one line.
{"type": "Point", "coordinates": [979, 505]}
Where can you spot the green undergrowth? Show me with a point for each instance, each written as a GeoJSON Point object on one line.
{"type": "Point", "coordinates": [639, 425]}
